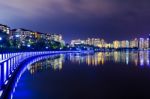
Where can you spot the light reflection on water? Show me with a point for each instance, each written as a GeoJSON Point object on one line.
{"type": "Point", "coordinates": [77, 75]}
{"type": "Point", "coordinates": [55, 63]}
{"type": "Point", "coordinates": [28, 65]}
{"type": "Point", "coordinates": [136, 58]}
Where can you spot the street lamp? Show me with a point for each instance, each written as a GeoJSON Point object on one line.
{"type": "Point", "coordinates": [17, 36]}
{"type": "Point", "coordinates": [28, 45]}
{"type": "Point", "coordinates": [46, 47]}
{"type": "Point", "coordinates": [0, 38]}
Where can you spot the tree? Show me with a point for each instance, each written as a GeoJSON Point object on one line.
{"type": "Point", "coordinates": [4, 40]}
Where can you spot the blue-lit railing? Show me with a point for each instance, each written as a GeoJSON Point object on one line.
{"type": "Point", "coordinates": [26, 67]}
{"type": "Point", "coordinates": [10, 61]}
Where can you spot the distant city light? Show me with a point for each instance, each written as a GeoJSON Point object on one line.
{"type": "Point", "coordinates": [0, 38]}
{"type": "Point", "coordinates": [28, 45]}
{"type": "Point", "coordinates": [26, 37]}
{"type": "Point", "coordinates": [17, 35]}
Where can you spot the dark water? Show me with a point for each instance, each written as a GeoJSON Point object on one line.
{"type": "Point", "coordinates": [110, 75]}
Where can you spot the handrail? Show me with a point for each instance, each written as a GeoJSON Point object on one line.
{"type": "Point", "coordinates": [9, 65]}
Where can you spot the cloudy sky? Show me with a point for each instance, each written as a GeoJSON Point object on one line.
{"type": "Point", "coordinates": [109, 19]}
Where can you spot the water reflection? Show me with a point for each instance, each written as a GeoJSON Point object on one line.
{"type": "Point", "coordinates": [140, 58]}
{"type": "Point", "coordinates": [137, 58]}
{"type": "Point", "coordinates": [54, 63]}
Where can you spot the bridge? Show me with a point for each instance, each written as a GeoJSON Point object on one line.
{"type": "Point", "coordinates": [10, 62]}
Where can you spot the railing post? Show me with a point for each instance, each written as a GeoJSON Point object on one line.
{"type": "Point", "coordinates": [2, 74]}
{"type": "Point", "coordinates": [11, 62]}
{"type": "Point", "coordinates": [9, 68]}
{"type": "Point", "coordinates": [5, 71]}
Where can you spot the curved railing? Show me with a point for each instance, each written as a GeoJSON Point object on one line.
{"type": "Point", "coordinates": [23, 69]}
{"type": "Point", "coordinates": [9, 63]}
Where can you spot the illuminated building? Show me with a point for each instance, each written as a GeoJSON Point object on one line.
{"type": "Point", "coordinates": [90, 41]}
{"type": "Point", "coordinates": [108, 45]}
{"type": "Point", "coordinates": [23, 37]}
{"type": "Point", "coordinates": [76, 42]}
{"type": "Point", "coordinates": [116, 44]}
{"type": "Point", "coordinates": [103, 42]}
{"type": "Point", "coordinates": [127, 44]}
{"type": "Point", "coordinates": [97, 42]}
{"type": "Point", "coordinates": [134, 43]}
{"type": "Point", "coordinates": [56, 37]}
{"type": "Point", "coordinates": [111, 45]}
{"type": "Point", "coordinates": [146, 43]}
{"type": "Point", "coordinates": [42, 35]}
{"type": "Point", "coordinates": [141, 43]}
{"type": "Point", "coordinates": [5, 29]}
{"type": "Point", "coordinates": [123, 44]}
{"type": "Point", "coordinates": [4, 35]}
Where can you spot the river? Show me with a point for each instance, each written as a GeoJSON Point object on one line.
{"type": "Point", "coordinates": [102, 75]}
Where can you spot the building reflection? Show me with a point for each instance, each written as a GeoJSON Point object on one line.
{"type": "Point", "coordinates": [147, 58]}
{"type": "Point", "coordinates": [96, 59]}
{"type": "Point", "coordinates": [138, 58]}
{"type": "Point", "coordinates": [52, 63]}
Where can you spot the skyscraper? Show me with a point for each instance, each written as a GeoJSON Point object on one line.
{"type": "Point", "coordinates": [141, 43]}
{"type": "Point", "coordinates": [149, 40]}
{"type": "Point", "coordinates": [116, 44]}
{"type": "Point", "coordinates": [146, 43]}
{"type": "Point", "coordinates": [134, 43]}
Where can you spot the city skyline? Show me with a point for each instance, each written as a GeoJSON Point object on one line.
{"type": "Point", "coordinates": [69, 42]}
{"type": "Point", "coordinates": [27, 39]}
{"type": "Point", "coordinates": [109, 19]}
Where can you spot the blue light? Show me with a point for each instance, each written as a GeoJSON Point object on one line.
{"type": "Point", "coordinates": [17, 35]}
{"type": "Point", "coordinates": [0, 38]}
{"type": "Point", "coordinates": [1, 91]}
{"type": "Point", "coordinates": [6, 82]}
{"type": "Point", "coordinates": [9, 75]}
{"type": "Point", "coordinates": [28, 45]}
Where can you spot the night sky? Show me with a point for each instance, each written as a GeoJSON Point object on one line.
{"type": "Point", "coordinates": [108, 19]}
